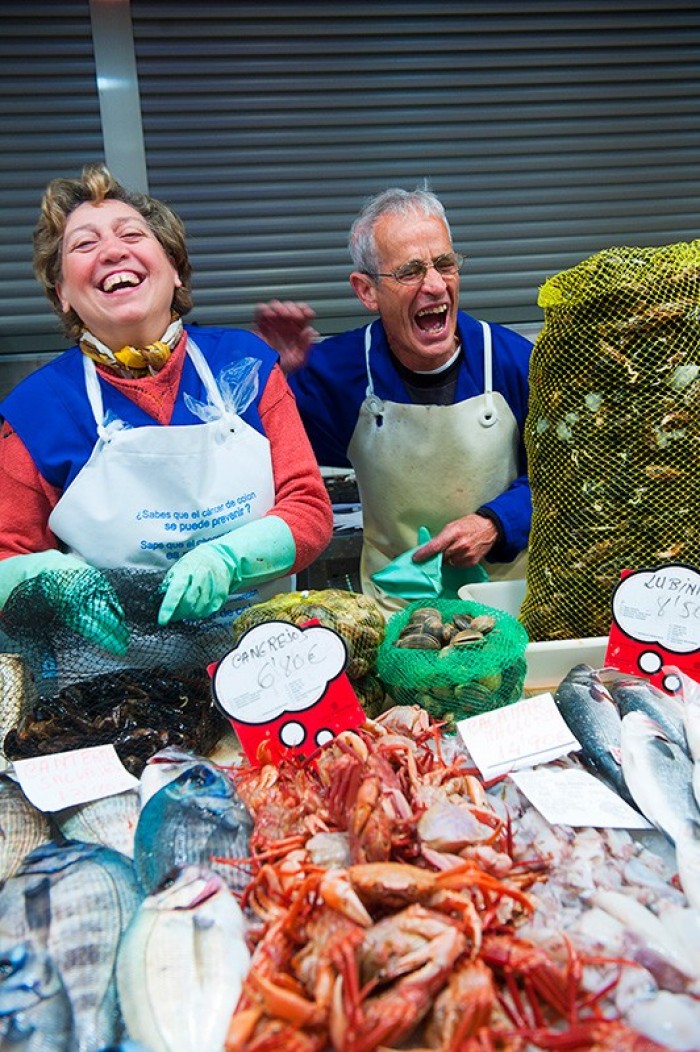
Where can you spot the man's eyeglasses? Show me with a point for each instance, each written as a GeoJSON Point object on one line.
{"type": "Point", "coordinates": [413, 273]}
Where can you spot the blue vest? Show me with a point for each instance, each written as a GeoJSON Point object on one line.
{"type": "Point", "coordinates": [50, 411]}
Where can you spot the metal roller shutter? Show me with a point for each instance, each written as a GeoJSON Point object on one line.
{"type": "Point", "coordinates": [550, 130]}
{"type": "Point", "coordinates": [49, 126]}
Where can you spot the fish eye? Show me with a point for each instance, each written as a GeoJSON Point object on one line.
{"type": "Point", "coordinates": [201, 776]}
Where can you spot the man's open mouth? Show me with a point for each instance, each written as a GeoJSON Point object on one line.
{"type": "Point", "coordinates": [124, 280]}
{"type": "Point", "coordinates": [432, 319]}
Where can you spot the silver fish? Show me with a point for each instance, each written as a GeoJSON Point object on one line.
{"type": "Point", "coordinates": [17, 692]}
{"type": "Point", "coordinates": [110, 821]}
{"type": "Point", "coordinates": [22, 827]}
{"type": "Point", "coordinates": [635, 694]}
{"type": "Point", "coordinates": [35, 1011]}
{"type": "Point", "coordinates": [75, 900]}
{"type": "Point", "coordinates": [659, 775]}
{"type": "Point", "coordinates": [592, 716]}
{"type": "Point", "coordinates": [181, 965]}
{"type": "Point", "coordinates": [691, 720]}
{"type": "Point", "coordinates": [190, 821]}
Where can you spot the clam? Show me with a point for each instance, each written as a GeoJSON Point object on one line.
{"type": "Point", "coordinates": [462, 621]}
{"type": "Point", "coordinates": [448, 632]}
{"type": "Point", "coordinates": [424, 612]}
{"type": "Point", "coordinates": [423, 630]}
{"type": "Point", "coordinates": [483, 623]}
{"type": "Point", "coordinates": [466, 638]}
{"type": "Point", "coordinates": [418, 641]}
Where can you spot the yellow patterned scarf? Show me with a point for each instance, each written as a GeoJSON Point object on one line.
{"type": "Point", "coordinates": [134, 361]}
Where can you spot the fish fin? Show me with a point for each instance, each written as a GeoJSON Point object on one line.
{"type": "Point", "coordinates": [616, 753]}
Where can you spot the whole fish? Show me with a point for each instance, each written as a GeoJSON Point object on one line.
{"type": "Point", "coordinates": [75, 900]}
{"type": "Point", "coordinates": [659, 774]}
{"type": "Point", "coordinates": [17, 692]}
{"type": "Point", "coordinates": [35, 1012]}
{"type": "Point", "coordinates": [110, 821]}
{"type": "Point", "coordinates": [181, 965]}
{"type": "Point", "coordinates": [22, 827]}
{"type": "Point", "coordinates": [635, 694]}
{"type": "Point", "coordinates": [190, 821]}
{"type": "Point", "coordinates": [592, 716]}
{"type": "Point", "coordinates": [690, 690]}
{"type": "Point", "coordinates": [165, 766]}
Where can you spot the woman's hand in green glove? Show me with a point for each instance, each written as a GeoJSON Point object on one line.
{"type": "Point", "coordinates": [55, 586]}
{"type": "Point", "coordinates": [201, 581]}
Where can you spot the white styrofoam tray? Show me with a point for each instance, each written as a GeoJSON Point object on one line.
{"type": "Point", "coordinates": [549, 661]}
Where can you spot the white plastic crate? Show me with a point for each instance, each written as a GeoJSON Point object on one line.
{"type": "Point", "coordinates": [547, 662]}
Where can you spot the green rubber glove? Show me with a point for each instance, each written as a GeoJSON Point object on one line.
{"type": "Point", "coordinates": [404, 579]}
{"type": "Point", "coordinates": [201, 581]}
{"type": "Point", "coordinates": [53, 585]}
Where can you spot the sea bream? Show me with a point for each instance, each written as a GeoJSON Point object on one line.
{"type": "Point", "coordinates": [22, 827]}
{"type": "Point", "coordinates": [690, 690]}
{"type": "Point", "coordinates": [75, 900]}
{"type": "Point", "coordinates": [35, 1011]}
{"type": "Point", "coordinates": [593, 717]}
{"type": "Point", "coordinates": [194, 819]}
{"type": "Point", "coordinates": [181, 964]}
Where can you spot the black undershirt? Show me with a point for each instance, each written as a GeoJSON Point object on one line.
{"type": "Point", "coordinates": [430, 388]}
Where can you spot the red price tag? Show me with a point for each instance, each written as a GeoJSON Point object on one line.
{"type": "Point", "coordinates": [286, 685]}
{"type": "Point", "coordinates": [656, 623]}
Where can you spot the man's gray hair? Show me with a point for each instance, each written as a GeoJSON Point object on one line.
{"type": "Point", "coordinates": [395, 202]}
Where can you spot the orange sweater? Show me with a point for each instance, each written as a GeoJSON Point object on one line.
{"type": "Point", "coordinates": [27, 499]}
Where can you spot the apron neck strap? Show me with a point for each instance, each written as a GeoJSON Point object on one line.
{"type": "Point", "coordinates": [489, 414]}
{"type": "Point", "coordinates": [94, 391]}
{"type": "Point", "coordinates": [368, 344]}
{"type": "Point", "coordinates": [206, 376]}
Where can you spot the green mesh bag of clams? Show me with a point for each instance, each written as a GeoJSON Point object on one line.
{"type": "Point", "coordinates": [455, 658]}
{"type": "Point", "coordinates": [612, 433]}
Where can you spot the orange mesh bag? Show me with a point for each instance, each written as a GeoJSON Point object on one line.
{"type": "Point", "coordinates": [613, 432]}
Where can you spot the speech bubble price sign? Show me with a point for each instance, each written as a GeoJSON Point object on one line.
{"type": "Point", "coordinates": [286, 685]}
{"type": "Point", "coordinates": [656, 623]}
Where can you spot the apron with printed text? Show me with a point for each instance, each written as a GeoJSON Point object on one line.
{"type": "Point", "coordinates": [148, 495]}
{"type": "Point", "coordinates": [427, 465]}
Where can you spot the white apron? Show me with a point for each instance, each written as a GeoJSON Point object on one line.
{"type": "Point", "coordinates": [148, 495]}
{"type": "Point", "coordinates": [426, 465]}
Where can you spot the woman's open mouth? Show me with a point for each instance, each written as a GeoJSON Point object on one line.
{"type": "Point", "coordinates": [125, 279]}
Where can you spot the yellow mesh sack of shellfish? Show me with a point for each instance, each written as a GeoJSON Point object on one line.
{"type": "Point", "coordinates": [612, 433]}
{"type": "Point", "coordinates": [455, 658]}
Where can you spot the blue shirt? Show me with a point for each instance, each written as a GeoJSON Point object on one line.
{"type": "Point", "coordinates": [331, 388]}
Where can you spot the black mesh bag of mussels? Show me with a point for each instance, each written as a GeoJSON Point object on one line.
{"type": "Point", "coordinates": [62, 691]}
{"type": "Point", "coordinates": [455, 658]}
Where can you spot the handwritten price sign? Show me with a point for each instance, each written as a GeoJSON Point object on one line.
{"type": "Point", "coordinates": [656, 624]}
{"type": "Point", "coordinates": [287, 685]}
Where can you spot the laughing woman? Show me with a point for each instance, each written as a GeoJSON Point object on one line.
{"type": "Point", "coordinates": [148, 444]}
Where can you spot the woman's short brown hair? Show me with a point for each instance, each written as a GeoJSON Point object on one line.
{"type": "Point", "coordinates": [96, 184]}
